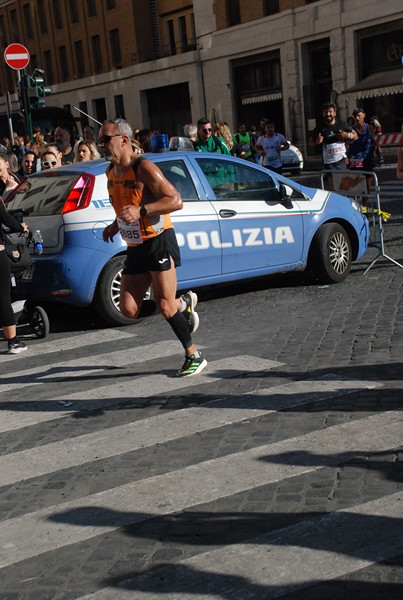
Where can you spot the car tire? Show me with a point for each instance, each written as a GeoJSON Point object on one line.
{"type": "Point", "coordinates": [331, 253]}
{"type": "Point", "coordinates": [106, 297]}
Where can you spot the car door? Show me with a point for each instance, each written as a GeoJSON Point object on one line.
{"type": "Point", "coordinates": [258, 230]}
{"type": "Point", "coordinates": [195, 225]}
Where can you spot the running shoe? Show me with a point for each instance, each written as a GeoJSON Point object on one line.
{"type": "Point", "coordinates": [190, 298]}
{"type": "Point", "coordinates": [16, 347]}
{"type": "Point", "coordinates": [192, 366]}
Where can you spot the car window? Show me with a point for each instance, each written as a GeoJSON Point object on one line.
{"type": "Point", "coordinates": [177, 173]}
{"type": "Point", "coordinates": [237, 180]}
{"type": "Point", "coordinates": [42, 196]}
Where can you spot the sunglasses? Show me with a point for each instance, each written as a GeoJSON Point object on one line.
{"type": "Point", "coordinates": [104, 139]}
{"type": "Point", "coordinates": [207, 130]}
{"type": "Point", "coordinates": [49, 163]}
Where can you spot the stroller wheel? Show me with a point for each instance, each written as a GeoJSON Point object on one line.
{"type": "Point", "coordinates": [39, 322]}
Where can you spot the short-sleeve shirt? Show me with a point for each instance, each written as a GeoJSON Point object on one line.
{"type": "Point", "coordinates": [333, 149]}
{"type": "Point", "coordinates": [271, 146]}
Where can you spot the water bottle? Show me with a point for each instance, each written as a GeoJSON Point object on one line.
{"type": "Point", "coordinates": [38, 242]}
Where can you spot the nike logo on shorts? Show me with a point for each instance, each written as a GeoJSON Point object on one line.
{"type": "Point", "coordinates": [162, 261]}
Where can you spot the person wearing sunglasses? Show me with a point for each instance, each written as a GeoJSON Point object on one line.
{"type": "Point", "coordinates": [48, 161]}
{"type": "Point", "coordinates": [206, 142]}
{"type": "Point", "coordinates": [143, 199]}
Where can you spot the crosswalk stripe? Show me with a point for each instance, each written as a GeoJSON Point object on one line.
{"type": "Point", "coordinates": [142, 387]}
{"type": "Point", "coordinates": [167, 427]}
{"type": "Point", "coordinates": [75, 521]}
{"type": "Point", "coordinates": [77, 367]}
{"type": "Point", "coordinates": [69, 343]}
{"type": "Point", "coordinates": [318, 549]}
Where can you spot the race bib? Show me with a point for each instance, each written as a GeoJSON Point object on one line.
{"type": "Point", "coordinates": [356, 163]}
{"type": "Point", "coordinates": [333, 152]}
{"type": "Point", "coordinates": [130, 232]}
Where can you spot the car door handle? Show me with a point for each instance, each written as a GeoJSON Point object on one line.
{"type": "Point", "coordinates": [225, 213]}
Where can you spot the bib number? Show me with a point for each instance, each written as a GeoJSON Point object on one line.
{"type": "Point", "coordinates": [356, 163]}
{"type": "Point", "coordinates": [130, 232]}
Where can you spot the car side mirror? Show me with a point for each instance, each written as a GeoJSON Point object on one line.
{"type": "Point", "coordinates": [285, 199]}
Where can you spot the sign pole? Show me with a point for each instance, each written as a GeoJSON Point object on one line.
{"type": "Point", "coordinates": [9, 113]}
{"type": "Point", "coordinates": [17, 57]}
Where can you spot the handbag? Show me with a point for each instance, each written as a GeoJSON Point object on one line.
{"type": "Point", "coordinates": [18, 253]}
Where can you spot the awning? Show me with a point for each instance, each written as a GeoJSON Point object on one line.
{"type": "Point", "coordinates": [262, 98]}
{"type": "Point", "coordinates": [377, 84]}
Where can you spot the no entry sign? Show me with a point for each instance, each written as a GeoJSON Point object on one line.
{"type": "Point", "coordinates": [16, 56]}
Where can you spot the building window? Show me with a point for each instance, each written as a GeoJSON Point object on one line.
{"type": "Point", "coordinates": [14, 26]}
{"type": "Point", "coordinates": [57, 14]}
{"type": "Point", "coordinates": [64, 66]}
{"type": "Point", "coordinates": [233, 12]}
{"type": "Point", "coordinates": [99, 109]}
{"type": "Point", "coordinates": [271, 7]}
{"type": "Point", "coordinates": [115, 47]}
{"type": "Point", "coordinates": [79, 58]}
{"type": "Point", "coordinates": [183, 35]}
{"type": "Point", "coordinates": [110, 4]}
{"type": "Point", "coordinates": [92, 8]}
{"type": "Point", "coordinates": [83, 117]}
{"type": "Point", "coordinates": [26, 12]}
{"type": "Point", "coordinates": [193, 29]}
{"type": "Point", "coordinates": [96, 53]}
{"type": "Point", "coordinates": [3, 38]}
{"type": "Point", "coordinates": [74, 14]}
{"type": "Point", "coordinates": [119, 107]}
{"type": "Point", "coordinates": [43, 24]}
{"type": "Point", "coordinates": [171, 37]}
{"type": "Point", "coordinates": [47, 56]}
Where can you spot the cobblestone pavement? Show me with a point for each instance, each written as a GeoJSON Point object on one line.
{"type": "Point", "coordinates": [275, 474]}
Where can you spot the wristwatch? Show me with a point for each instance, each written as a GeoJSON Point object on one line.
{"type": "Point", "coordinates": [143, 211]}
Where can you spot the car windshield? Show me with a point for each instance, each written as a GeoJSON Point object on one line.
{"type": "Point", "coordinates": [44, 195]}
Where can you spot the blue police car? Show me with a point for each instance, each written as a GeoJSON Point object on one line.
{"type": "Point", "coordinates": [239, 221]}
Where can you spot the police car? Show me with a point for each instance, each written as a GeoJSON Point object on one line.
{"type": "Point", "coordinates": [239, 221]}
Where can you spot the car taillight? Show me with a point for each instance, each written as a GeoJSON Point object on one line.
{"type": "Point", "coordinates": [80, 195]}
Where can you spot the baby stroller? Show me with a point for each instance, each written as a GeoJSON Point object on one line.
{"type": "Point", "coordinates": [27, 313]}
{"type": "Point", "coordinates": [33, 317]}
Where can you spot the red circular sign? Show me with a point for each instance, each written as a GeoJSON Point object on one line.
{"type": "Point", "coordinates": [16, 56]}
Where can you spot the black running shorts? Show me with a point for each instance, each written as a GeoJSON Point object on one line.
{"type": "Point", "coordinates": [153, 254]}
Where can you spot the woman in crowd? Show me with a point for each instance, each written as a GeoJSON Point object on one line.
{"type": "Point", "coordinates": [144, 139]}
{"type": "Point", "coordinates": [85, 150]}
{"type": "Point", "coordinates": [49, 161]}
{"type": "Point", "coordinates": [7, 318]}
{"type": "Point", "coordinates": [7, 180]}
{"type": "Point", "coordinates": [223, 131]}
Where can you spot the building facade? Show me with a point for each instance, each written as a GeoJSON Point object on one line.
{"type": "Point", "coordinates": [164, 63]}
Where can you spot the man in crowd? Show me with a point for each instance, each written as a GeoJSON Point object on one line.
{"type": "Point", "coordinates": [270, 145]}
{"type": "Point", "coordinates": [243, 139]}
{"type": "Point", "coordinates": [143, 199]}
{"type": "Point", "coordinates": [206, 142]}
{"type": "Point", "coordinates": [64, 140]}
{"type": "Point", "coordinates": [332, 135]}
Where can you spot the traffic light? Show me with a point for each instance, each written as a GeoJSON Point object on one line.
{"type": "Point", "coordinates": [30, 88]}
{"type": "Point", "coordinates": [40, 90]}
{"type": "Point", "coordinates": [35, 89]}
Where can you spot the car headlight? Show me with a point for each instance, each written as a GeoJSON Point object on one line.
{"type": "Point", "coordinates": [355, 204]}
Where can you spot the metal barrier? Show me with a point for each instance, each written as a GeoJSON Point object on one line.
{"type": "Point", "coordinates": [353, 183]}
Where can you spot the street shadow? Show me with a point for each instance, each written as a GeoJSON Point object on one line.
{"type": "Point", "coordinates": [343, 533]}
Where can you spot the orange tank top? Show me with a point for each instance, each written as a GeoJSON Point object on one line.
{"type": "Point", "coordinates": [124, 190]}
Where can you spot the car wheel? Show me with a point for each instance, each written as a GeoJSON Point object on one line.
{"type": "Point", "coordinates": [332, 253]}
{"type": "Point", "coordinates": [107, 294]}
